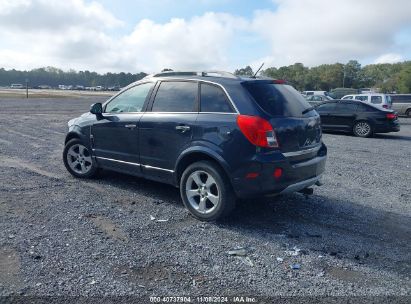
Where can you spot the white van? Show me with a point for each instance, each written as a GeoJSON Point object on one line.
{"type": "Point", "coordinates": [16, 86]}
{"type": "Point", "coordinates": [381, 100]}
{"type": "Point", "coordinates": [308, 93]}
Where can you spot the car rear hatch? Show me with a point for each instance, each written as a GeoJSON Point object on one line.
{"type": "Point", "coordinates": [296, 125]}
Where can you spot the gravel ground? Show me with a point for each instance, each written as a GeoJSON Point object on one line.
{"type": "Point", "coordinates": [64, 236]}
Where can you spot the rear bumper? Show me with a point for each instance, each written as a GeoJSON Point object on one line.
{"type": "Point", "coordinates": [300, 170]}
{"type": "Point", "coordinates": [388, 127]}
{"type": "Point", "coordinates": [301, 185]}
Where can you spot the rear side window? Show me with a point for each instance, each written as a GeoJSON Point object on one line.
{"type": "Point", "coordinates": [346, 107]}
{"type": "Point", "coordinates": [362, 98]}
{"type": "Point", "coordinates": [178, 96]}
{"type": "Point", "coordinates": [365, 108]}
{"type": "Point", "coordinates": [213, 99]}
{"type": "Point", "coordinates": [348, 97]}
{"type": "Point", "coordinates": [376, 99]}
{"type": "Point", "coordinates": [277, 99]}
{"type": "Point", "coordinates": [401, 98]}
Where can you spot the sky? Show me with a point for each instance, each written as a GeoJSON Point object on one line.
{"type": "Point", "coordinates": [149, 35]}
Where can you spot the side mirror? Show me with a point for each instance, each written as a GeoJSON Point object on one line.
{"type": "Point", "coordinates": [97, 109]}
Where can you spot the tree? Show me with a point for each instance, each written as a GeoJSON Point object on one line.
{"type": "Point", "coordinates": [247, 71]}
{"type": "Point", "coordinates": [351, 74]}
{"type": "Point", "coordinates": [404, 79]}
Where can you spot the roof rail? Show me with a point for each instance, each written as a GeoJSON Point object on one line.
{"type": "Point", "coordinates": [203, 74]}
{"type": "Point", "coordinates": [219, 74]}
{"type": "Point", "coordinates": [172, 73]}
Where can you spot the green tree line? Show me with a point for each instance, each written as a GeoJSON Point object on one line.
{"type": "Point", "coordinates": [54, 77]}
{"type": "Point", "coordinates": [386, 77]}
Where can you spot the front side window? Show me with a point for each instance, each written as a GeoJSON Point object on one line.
{"type": "Point", "coordinates": [376, 99]}
{"type": "Point", "coordinates": [131, 100]}
{"type": "Point", "coordinates": [213, 99]}
{"type": "Point", "coordinates": [176, 96]}
{"type": "Point", "coordinates": [348, 97]}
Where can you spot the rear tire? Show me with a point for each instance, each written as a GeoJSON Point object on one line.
{"type": "Point", "coordinates": [206, 191]}
{"type": "Point", "coordinates": [78, 159]}
{"type": "Point", "coordinates": [362, 129]}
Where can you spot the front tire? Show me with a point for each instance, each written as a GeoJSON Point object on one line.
{"type": "Point", "coordinates": [206, 191]}
{"type": "Point", "coordinates": [408, 113]}
{"type": "Point", "coordinates": [78, 159]}
{"type": "Point", "coordinates": [362, 129]}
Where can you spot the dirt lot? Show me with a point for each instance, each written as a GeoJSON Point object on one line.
{"type": "Point", "coordinates": [64, 236]}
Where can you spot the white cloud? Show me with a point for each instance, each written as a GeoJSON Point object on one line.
{"type": "Point", "coordinates": [81, 35]}
{"type": "Point", "coordinates": [323, 31]}
{"type": "Point", "coordinates": [198, 43]}
{"type": "Point", "coordinates": [389, 58]}
{"type": "Point", "coordinates": [46, 15]}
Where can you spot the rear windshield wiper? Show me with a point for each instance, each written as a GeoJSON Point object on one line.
{"type": "Point", "coordinates": [308, 110]}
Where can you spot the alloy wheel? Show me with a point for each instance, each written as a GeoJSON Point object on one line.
{"type": "Point", "coordinates": [362, 128]}
{"type": "Point", "coordinates": [202, 192]}
{"type": "Point", "coordinates": [79, 159]}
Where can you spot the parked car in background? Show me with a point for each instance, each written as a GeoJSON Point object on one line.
{"type": "Point", "coordinates": [216, 138]}
{"type": "Point", "coordinates": [314, 99]}
{"type": "Point", "coordinates": [381, 100]}
{"type": "Point", "coordinates": [357, 117]}
{"type": "Point", "coordinates": [401, 103]}
{"type": "Point", "coordinates": [309, 93]}
{"type": "Point", "coordinates": [16, 86]}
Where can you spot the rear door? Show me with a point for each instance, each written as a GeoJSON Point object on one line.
{"type": "Point", "coordinates": [167, 127]}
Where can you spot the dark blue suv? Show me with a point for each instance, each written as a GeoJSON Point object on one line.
{"type": "Point", "coordinates": [216, 136]}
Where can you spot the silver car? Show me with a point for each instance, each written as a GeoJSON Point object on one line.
{"type": "Point", "coordinates": [401, 103]}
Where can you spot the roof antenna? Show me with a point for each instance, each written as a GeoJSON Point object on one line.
{"type": "Point", "coordinates": [258, 71]}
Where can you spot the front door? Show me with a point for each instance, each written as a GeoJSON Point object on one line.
{"type": "Point", "coordinates": [115, 137]}
{"type": "Point", "coordinates": [168, 128]}
{"type": "Point", "coordinates": [325, 110]}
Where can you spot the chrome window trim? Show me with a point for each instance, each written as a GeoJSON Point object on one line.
{"type": "Point", "coordinates": [173, 79]}
{"type": "Point", "coordinates": [206, 81]}
{"type": "Point", "coordinates": [225, 91]}
{"type": "Point", "coordinates": [302, 152]}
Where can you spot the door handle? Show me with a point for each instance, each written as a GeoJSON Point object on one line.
{"type": "Point", "coordinates": [183, 128]}
{"type": "Point", "coordinates": [132, 126]}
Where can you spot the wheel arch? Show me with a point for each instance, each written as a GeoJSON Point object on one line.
{"type": "Point", "coordinates": [70, 136]}
{"type": "Point", "coordinates": [76, 132]}
{"type": "Point", "coordinates": [194, 154]}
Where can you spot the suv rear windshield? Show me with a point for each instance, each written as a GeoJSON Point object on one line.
{"type": "Point", "coordinates": [277, 99]}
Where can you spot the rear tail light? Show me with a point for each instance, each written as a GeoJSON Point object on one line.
{"type": "Point", "coordinates": [391, 116]}
{"type": "Point", "coordinates": [258, 131]}
{"type": "Point", "coordinates": [278, 172]}
{"type": "Point", "coordinates": [279, 81]}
